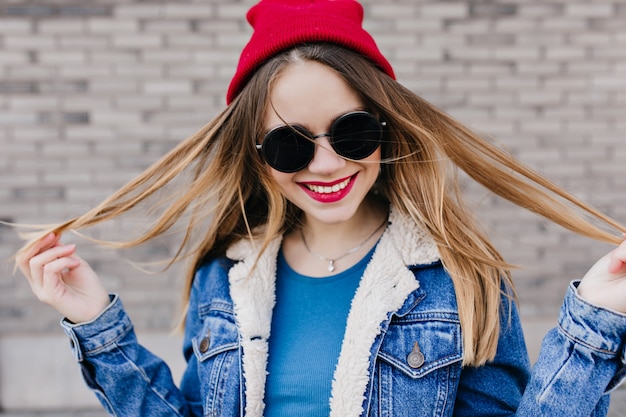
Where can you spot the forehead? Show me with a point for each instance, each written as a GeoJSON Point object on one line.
{"type": "Point", "coordinates": [309, 93]}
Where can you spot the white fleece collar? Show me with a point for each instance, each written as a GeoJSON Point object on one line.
{"type": "Point", "coordinates": [383, 289]}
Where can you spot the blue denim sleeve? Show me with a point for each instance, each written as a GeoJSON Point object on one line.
{"type": "Point", "coordinates": [127, 379]}
{"type": "Point", "coordinates": [580, 362]}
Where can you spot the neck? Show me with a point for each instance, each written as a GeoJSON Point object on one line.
{"type": "Point", "coordinates": [346, 233]}
{"type": "Point", "coordinates": [310, 249]}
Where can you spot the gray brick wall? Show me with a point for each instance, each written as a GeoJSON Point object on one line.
{"type": "Point", "coordinates": [91, 94]}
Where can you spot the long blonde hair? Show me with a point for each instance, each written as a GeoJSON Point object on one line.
{"type": "Point", "coordinates": [224, 185]}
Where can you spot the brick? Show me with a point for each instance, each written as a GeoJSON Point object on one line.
{"type": "Point", "coordinates": [565, 53]}
{"type": "Point", "coordinates": [608, 52]}
{"type": "Point", "coordinates": [188, 40]}
{"type": "Point", "coordinates": [608, 81]}
{"type": "Point", "coordinates": [114, 85]}
{"type": "Point", "coordinates": [474, 26]}
{"type": "Point", "coordinates": [166, 55]}
{"type": "Point", "coordinates": [32, 102]}
{"type": "Point", "coordinates": [421, 55]}
{"type": "Point", "coordinates": [527, 53]}
{"type": "Point", "coordinates": [190, 11]}
{"type": "Point", "coordinates": [143, 11]}
{"type": "Point", "coordinates": [116, 118]}
{"type": "Point", "coordinates": [470, 53]}
{"type": "Point", "coordinates": [31, 42]}
{"type": "Point", "coordinates": [112, 57]}
{"type": "Point", "coordinates": [516, 81]}
{"type": "Point", "coordinates": [90, 133]}
{"type": "Point", "coordinates": [231, 11]}
{"type": "Point", "coordinates": [142, 102]}
{"type": "Point", "coordinates": [231, 40]}
{"type": "Point", "coordinates": [137, 41]}
{"type": "Point", "coordinates": [14, 57]}
{"type": "Point", "coordinates": [83, 41]}
{"type": "Point", "coordinates": [514, 113]}
{"type": "Point", "coordinates": [194, 72]}
{"type": "Point", "coordinates": [567, 83]}
{"type": "Point", "coordinates": [540, 38]}
{"type": "Point", "coordinates": [564, 113]}
{"type": "Point", "coordinates": [84, 71]}
{"type": "Point", "coordinates": [443, 10]}
{"type": "Point", "coordinates": [83, 103]}
{"type": "Point", "coordinates": [589, 10]}
{"type": "Point", "coordinates": [439, 68]}
{"type": "Point", "coordinates": [382, 11]}
{"type": "Point", "coordinates": [186, 102]}
{"type": "Point", "coordinates": [18, 73]}
{"type": "Point", "coordinates": [566, 24]}
{"type": "Point", "coordinates": [55, 26]}
{"type": "Point", "coordinates": [138, 71]}
{"type": "Point", "coordinates": [468, 83]}
{"type": "Point", "coordinates": [539, 68]}
{"type": "Point", "coordinates": [490, 98]}
{"type": "Point", "coordinates": [62, 57]}
{"type": "Point", "coordinates": [418, 25]}
{"type": "Point", "coordinates": [541, 126]}
{"type": "Point", "coordinates": [15, 25]}
{"type": "Point", "coordinates": [17, 118]}
{"type": "Point", "coordinates": [515, 25]}
{"type": "Point", "coordinates": [590, 38]}
{"type": "Point", "coordinates": [112, 25]}
{"type": "Point", "coordinates": [537, 10]}
{"type": "Point", "coordinates": [221, 26]}
{"type": "Point", "coordinates": [167, 87]}
{"type": "Point", "coordinates": [587, 67]}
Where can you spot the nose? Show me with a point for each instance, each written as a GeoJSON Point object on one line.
{"type": "Point", "coordinates": [325, 160]}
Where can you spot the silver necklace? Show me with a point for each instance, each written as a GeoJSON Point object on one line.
{"type": "Point", "coordinates": [331, 262]}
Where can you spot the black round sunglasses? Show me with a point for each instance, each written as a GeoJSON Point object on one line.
{"type": "Point", "coordinates": [290, 148]}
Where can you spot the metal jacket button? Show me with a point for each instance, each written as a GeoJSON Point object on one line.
{"type": "Point", "coordinates": [415, 359]}
{"type": "Point", "coordinates": [205, 342]}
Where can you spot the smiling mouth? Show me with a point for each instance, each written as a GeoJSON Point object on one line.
{"type": "Point", "coordinates": [329, 189]}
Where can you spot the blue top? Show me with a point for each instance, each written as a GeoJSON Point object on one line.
{"type": "Point", "coordinates": [308, 325]}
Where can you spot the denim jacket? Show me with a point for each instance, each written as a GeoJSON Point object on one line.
{"type": "Point", "coordinates": [401, 355]}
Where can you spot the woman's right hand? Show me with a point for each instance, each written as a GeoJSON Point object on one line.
{"type": "Point", "coordinates": [58, 277]}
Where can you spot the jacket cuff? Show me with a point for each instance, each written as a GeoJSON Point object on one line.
{"type": "Point", "coordinates": [597, 328]}
{"type": "Point", "coordinates": [99, 334]}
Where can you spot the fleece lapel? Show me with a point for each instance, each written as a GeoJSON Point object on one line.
{"type": "Point", "coordinates": [384, 287]}
{"type": "Point", "coordinates": [254, 295]}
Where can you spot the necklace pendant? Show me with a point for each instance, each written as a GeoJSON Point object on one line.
{"type": "Point", "coordinates": [331, 266]}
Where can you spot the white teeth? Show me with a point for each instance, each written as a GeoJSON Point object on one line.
{"type": "Point", "coordinates": [326, 189]}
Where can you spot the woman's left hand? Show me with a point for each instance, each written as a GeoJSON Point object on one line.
{"type": "Point", "coordinates": [604, 285]}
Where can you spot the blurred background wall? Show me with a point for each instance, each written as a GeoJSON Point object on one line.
{"type": "Point", "coordinates": [93, 92]}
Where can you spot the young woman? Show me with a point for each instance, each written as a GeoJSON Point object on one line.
{"type": "Point", "coordinates": [339, 273]}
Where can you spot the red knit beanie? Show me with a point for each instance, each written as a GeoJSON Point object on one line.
{"type": "Point", "coordinates": [281, 24]}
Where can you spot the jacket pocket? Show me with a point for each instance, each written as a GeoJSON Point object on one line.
{"type": "Point", "coordinates": [418, 344]}
{"type": "Point", "coordinates": [218, 333]}
{"type": "Point", "coordinates": [418, 366]}
{"type": "Point", "coordinates": [216, 348]}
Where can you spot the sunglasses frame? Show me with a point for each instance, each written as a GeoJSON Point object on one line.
{"type": "Point", "coordinates": [302, 131]}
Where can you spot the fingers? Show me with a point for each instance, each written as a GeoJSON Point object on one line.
{"type": "Point", "coordinates": [617, 259]}
{"type": "Point", "coordinates": [45, 263]}
{"type": "Point", "coordinates": [43, 244]}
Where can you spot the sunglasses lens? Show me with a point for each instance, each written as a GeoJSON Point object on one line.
{"type": "Point", "coordinates": [288, 149]}
{"type": "Point", "coordinates": [356, 135]}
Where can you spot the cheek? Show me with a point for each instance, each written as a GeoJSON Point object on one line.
{"type": "Point", "coordinates": [282, 179]}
